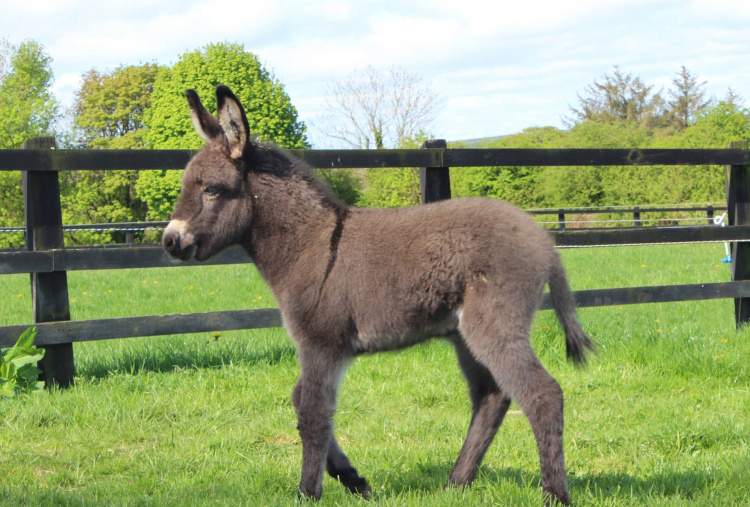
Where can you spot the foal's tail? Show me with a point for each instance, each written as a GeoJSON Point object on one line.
{"type": "Point", "coordinates": [564, 304]}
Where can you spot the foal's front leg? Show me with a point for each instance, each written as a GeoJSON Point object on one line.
{"type": "Point", "coordinates": [315, 400]}
{"type": "Point", "coordinates": [338, 465]}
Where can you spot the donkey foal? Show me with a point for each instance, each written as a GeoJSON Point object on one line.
{"type": "Point", "coordinates": [355, 281]}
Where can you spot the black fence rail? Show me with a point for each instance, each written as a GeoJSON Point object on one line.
{"type": "Point", "coordinates": [48, 260]}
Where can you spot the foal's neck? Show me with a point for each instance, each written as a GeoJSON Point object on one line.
{"type": "Point", "coordinates": [291, 211]}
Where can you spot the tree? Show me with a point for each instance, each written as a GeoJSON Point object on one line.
{"type": "Point", "coordinates": [27, 109]}
{"type": "Point", "coordinates": [270, 112]}
{"type": "Point", "coordinates": [108, 113]}
{"type": "Point", "coordinates": [109, 107]}
{"type": "Point", "coordinates": [619, 98]}
{"type": "Point", "coordinates": [27, 106]}
{"type": "Point", "coordinates": [379, 109]}
{"type": "Point", "coordinates": [687, 99]}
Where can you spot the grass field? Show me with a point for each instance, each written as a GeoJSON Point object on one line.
{"type": "Point", "coordinates": [658, 418]}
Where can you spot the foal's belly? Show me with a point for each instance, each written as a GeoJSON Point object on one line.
{"type": "Point", "coordinates": [398, 336]}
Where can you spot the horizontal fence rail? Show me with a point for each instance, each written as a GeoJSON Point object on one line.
{"type": "Point", "coordinates": [90, 160]}
{"type": "Point", "coordinates": [158, 325]}
{"type": "Point", "coordinates": [154, 256]}
{"type": "Point", "coordinates": [48, 261]}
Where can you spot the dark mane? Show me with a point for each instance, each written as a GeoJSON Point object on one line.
{"type": "Point", "coordinates": [268, 158]}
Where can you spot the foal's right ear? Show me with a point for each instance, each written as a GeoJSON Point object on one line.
{"type": "Point", "coordinates": [204, 122]}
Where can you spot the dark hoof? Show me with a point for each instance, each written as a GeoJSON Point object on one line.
{"type": "Point", "coordinates": [552, 500]}
{"type": "Point", "coordinates": [304, 495]}
{"type": "Point", "coordinates": [354, 483]}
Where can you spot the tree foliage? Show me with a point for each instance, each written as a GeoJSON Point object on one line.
{"type": "Point", "coordinates": [530, 187]}
{"type": "Point", "coordinates": [620, 97]}
{"type": "Point", "coordinates": [687, 99]}
{"type": "Point", "coordinates": [27, 109]}
{"type": "Point", "coordinates": [27, 105]}
{"type": "Point", "coordinates": [110, 106]}
{"type": "Point", "coordinates": [270, 112]}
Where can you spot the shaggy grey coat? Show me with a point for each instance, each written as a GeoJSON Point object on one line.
{"type": "Point", "coordinates": [355, 281]}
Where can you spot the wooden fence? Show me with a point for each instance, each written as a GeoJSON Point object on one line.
{"type": "Point", "coordinates": [48, 261]}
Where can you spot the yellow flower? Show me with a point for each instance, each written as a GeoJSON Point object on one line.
{"type": "Point", "coordinates": [20, 296]}
{"type": "Point", "coordinates": [156, 281]}
{"type": "Point", "coordinates": [719, 356]}
{"type": "Point", "coordinates": [72, 300]}
{"type": "Point", "coordinates": [216, 336]}
{"type": "Point", "coordinates": [724, 340]}
{"type": "Point", "coordinates": [191, 287]}
{"type": "Point", "coordinates": [643, 265]}
{"type": "Point", "coordinates": [211, 293]}
{"type": "Point", "coordinates": [85, 293]}
{"type": "Point", "coordinates": [109, 290]}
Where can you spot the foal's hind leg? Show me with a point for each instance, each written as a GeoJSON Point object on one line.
{"type": "Point", "coordinates": [499, 338]}
{"type": "Point", "coordinates": [337, 464]}
{"type": "Point", "coordinates": [489, 405]}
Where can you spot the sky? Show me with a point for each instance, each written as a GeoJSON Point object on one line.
{"type": "Point", "coordinates": [498, 66]}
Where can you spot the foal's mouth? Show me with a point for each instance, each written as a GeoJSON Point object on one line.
{"type": "Point", "coordinates": [177, 242]}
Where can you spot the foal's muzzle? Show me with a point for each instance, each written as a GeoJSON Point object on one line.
{"type": "Point", "coordinates": [178, 243]}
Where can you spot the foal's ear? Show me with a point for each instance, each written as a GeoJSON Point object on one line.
{"type": "Point", "coordinates": [204, 122]}
{"type": "Point", "coordinates": [232, 120]}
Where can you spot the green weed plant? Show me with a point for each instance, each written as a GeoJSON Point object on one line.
{"type": "Point", "coordinates": [18, 367]}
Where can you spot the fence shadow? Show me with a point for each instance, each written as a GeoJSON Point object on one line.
{"type": "Point", "coordinates": [180, 352]}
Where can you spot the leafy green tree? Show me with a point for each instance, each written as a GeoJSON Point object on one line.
{"type": "Point", "coordinates": [110, 106]}
{"type": "Point", "coordinates": [108, 113]}
{"type": "Point", "coordinates": [27, 106]}
{"type": "Point", "coordinates": [270, 112]}
{"type": "Point", "coordinates": [27, 109]}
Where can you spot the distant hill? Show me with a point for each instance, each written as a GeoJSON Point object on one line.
{"type": "Point", "coordinates": [476, 143]}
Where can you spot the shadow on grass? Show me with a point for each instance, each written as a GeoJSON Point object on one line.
{"type": "Point", "coordinates": [169, 356]}
{"type": "Point", "coordinates": [599, 487]}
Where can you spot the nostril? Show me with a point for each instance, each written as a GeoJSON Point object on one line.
{"type": "Point", "coordinates": [171, 242]}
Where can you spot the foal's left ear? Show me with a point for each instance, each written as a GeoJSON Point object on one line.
{"type": "Point", "coordinates": [232, 120]}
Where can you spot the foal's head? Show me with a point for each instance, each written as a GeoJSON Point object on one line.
{"type": "Point", "coordinates": [212, 211]}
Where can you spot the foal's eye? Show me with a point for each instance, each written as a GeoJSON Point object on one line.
{"type": "Point", "coordinates": [211, 191]}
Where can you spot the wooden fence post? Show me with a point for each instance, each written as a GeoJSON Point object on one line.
{"type": "Point", "coordinates": [738, 213]}
{"type": "Point", "coordinates": [49, 291]}
{"type": "Point", "coordinates": [434, 182]}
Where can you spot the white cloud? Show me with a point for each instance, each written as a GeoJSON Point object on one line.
{"type": "Point", "coordinates": [500, 66]}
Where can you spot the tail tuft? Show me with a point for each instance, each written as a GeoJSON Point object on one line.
{"type": "Point", "coordinates": [576, 340]}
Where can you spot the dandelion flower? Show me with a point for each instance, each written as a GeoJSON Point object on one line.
{"type": "Point", "coordinates": [725, 340]}
{"type": "Point", "coordinates": [643, 265]}
{"type": "Point", "coordinates": [216, 336]}
{"type": "Point", "coordinates": [20, 296]}
{"type": "Point", "coordinates": [156, 281]}
{"type": "Point", "coordinates": [191, 287]}
{"type": "Point", "coordinates": [719, 356]}
{"type": "Point", "coordinates": [211, 293]}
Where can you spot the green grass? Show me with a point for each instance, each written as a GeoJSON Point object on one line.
{"type": "Point", "coordinates": [658, 418]}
